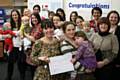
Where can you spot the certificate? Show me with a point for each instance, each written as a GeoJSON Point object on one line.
{"type": "Point", "coordinates": [61, 64]}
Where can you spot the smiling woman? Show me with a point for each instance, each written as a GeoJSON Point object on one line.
{"type": "Point", "coordinates": [68, 45]}
{"type": "Point", "coordinates": [114, 19]}
{"type": "Point", "coordinates": [107, 44]}
{"type": "Point", "coordinates": [43, 49]}
{"type": "Point", "coordinates": [96, 13]}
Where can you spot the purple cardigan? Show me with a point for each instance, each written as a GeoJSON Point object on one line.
{"type": "Point", "coordinates": [86, 56]}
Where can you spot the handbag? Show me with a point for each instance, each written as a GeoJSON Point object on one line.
{"type": "Point", "coordinates": [98, 54]}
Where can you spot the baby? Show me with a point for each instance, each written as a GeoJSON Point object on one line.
{"type": "Point", "coordinates": [25, 29]}
{"type": "Point", "coordinates": [87, 29]}
{"type": "Point", "coordinates": [58, 33]}
{"type": "Point", "coordinates": [8, 47]}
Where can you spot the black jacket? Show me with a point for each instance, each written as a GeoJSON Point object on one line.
{"type": "Point", "coordinates": [117, 33]}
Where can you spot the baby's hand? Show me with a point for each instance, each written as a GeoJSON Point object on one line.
{"type": "Point", "coordinates": [100, 64]}
{"type": "Point", "coordinates": [17, 33]}
{"type": "Point", "coordinates": [88, 71]}
{"type": "Point", "coordinates": [73, 60]}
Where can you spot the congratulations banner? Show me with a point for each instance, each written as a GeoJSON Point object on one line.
{"type": "Point", "coordinates": [84, 7]}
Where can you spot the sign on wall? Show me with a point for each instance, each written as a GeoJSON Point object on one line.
{"type": "Point", "coordinates": [84, 7]}
{"type": "Point", "coordinates": [2, 17]}
{"type": "Point", "coordinates": [51, 5]}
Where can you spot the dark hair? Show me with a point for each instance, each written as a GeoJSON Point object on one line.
{"type": "Point", "coordinates": [115, 13]}
{"type": "Point", "coordinates": [81, 34]}
{"type": "Point", "coordinates": [98, 9]}
{"type": "Point", "coordinates": [12, 22]}
{"type": "Point", "coordinates": [75, 12]}
{"type": "Point", "coordinates": [104, 20]}
{"type": "Point", "coordinates": [64, 26]}
{"type": "Point", "coordinates": [80, 17]}
{"type": "Point", "coordinates": [61, 10]}
{"type": "Point", "coordinates": [58, 16]}
{"type": "Point", "coordinates": [50, 12]}
{"type": "Point", "coordinates": [36, 6]}
{"type": "Point", "coordinates": [48, 24]}
{"type": "Point", "coordinates": [38, 18]}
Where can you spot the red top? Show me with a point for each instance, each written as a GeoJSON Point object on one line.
{"type": "Point", "coordinates": [8, 40]}
{"type": "Point", "coordinates": [94, 25]}
{"type": "Point", "coordinates": [36, 31]}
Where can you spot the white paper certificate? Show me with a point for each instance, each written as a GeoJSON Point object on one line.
{"type": "Point", "coordinates": [60, 64]}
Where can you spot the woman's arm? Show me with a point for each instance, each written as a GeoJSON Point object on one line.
{"type": "Point", "coordinates": [92, 37]}
{"type": "Point", "coordinates": [35, 53]}
{"type": "Point", "coordinates": [31, 38]}
{"type": "Point", "coordinates": [115, 48]}
{"type": "Point", "coordinates": [5, 36]}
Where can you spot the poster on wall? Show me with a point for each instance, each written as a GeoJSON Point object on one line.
{"type": "Point", "coordinates": [2, 17]}
{"type": "Point", "coordinates": [84, 7]}
{"type": "Point", "coordinates": [45, 5]}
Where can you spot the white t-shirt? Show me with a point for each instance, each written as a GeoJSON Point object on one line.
{"type": "Point", "coordinates": [17, 42]}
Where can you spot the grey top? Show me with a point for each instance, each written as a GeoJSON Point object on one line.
{"type": "Point", "coordinates": [107, 44]}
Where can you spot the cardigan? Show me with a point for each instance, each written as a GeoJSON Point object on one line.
{"type": "Point", "coordinates": [107, 44]}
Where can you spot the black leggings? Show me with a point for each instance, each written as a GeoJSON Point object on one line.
{"type": "Point", "coordinates": [19, 57]}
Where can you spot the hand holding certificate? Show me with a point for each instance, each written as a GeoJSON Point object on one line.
{"type": "Point", "coordinates": [61, 64]}
{"type": "Point", "coordinates": [44, 58]}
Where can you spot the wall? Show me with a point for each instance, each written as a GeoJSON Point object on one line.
{"type": "Point", "coordinates": [85, 12]}
{"type": "Point", "coordinates": [116, 5]}
{"type": "Point", "coordinates": [6, 3]}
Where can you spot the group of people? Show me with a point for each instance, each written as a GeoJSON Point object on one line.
{"type": "Point", "coordinates": [94, 44]}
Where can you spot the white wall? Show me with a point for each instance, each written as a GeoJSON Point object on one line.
{"type": "Point", "coordinates": [85, 12]}
{"type": "Point", "coordinates": [116, 5]}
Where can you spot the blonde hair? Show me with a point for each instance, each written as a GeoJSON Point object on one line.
{"type": "Point", "coordinates": [86, 24]}
{"type": "Point", "coordinates": [24, 18]}
{"type": "Point", "coordinates": [27, 12]}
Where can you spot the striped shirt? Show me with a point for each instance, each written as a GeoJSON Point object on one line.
{"type": "Point", "coordinates": [67, 47]}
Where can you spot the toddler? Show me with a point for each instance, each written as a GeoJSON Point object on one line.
{"type": "Point", "coordinates": [25, 29]}
{"type": "Point", "coordinates": [84, 60]}
{"type": "Point", "coordinates": [8, 47]}
{"type": "Point", "coordinates": [87, 29]}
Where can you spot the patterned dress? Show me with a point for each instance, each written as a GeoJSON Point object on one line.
{"type": "Point", "coordinates": [41, 48]}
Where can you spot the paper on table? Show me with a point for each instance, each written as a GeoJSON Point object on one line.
{"type": "Point", "coordinates": [61, 64]}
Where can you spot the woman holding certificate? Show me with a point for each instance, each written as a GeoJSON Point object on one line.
{"type": "Point", "coordinates": [83, 61]}
{"type": "Point", "coordinates": [43, 49]}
